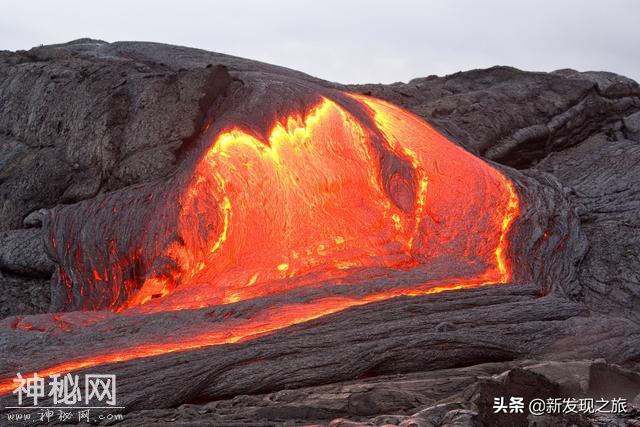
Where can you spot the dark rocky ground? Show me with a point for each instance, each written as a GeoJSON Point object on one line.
{"type": "Point", "coordinates": [85, 118]}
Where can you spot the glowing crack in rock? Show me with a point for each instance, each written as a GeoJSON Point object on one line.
{"type": "Point", "coordinates": [327, 196]}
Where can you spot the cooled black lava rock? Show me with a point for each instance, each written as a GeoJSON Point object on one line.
{"type": "Point", "coordinates": [86, 118]}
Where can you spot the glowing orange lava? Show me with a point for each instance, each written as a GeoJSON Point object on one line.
{"type": "Point", "coordinates": [324, 196]}
{"type": "Point", "coordinates": [314, 201]}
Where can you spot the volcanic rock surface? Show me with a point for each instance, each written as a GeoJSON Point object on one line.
{"type": "Point", "coordinates": [90, 127]}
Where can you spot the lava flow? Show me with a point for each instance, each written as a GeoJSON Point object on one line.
{"type": "Point", "coordinates": [328, 197]}
{"type": "Point", "coordinates": [322, 198]}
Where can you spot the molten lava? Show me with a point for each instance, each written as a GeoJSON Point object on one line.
{"type": "Point", "coordinates": [325, 197]}
{"type": "Point", "coordinates": [316, 201]}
